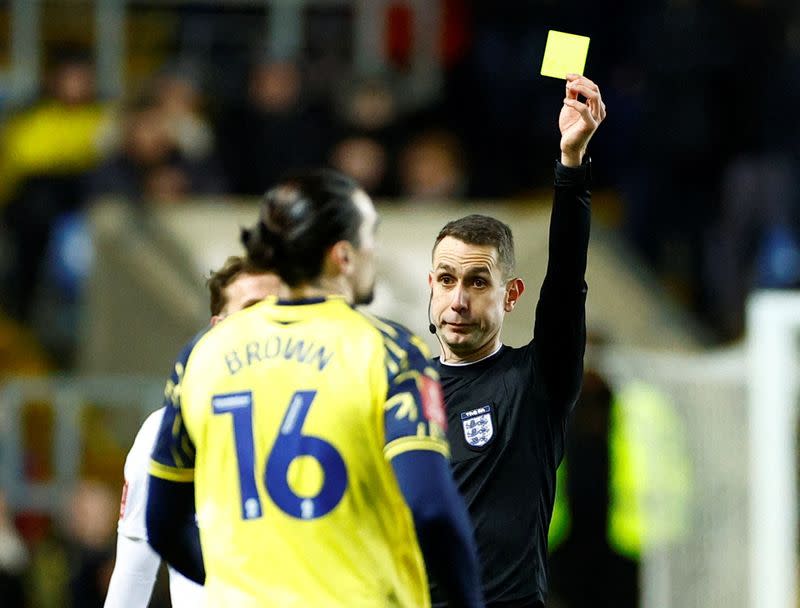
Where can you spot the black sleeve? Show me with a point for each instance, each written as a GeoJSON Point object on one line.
{"type": "Point", "coordinates": [559, 332]}
{"type": "Point", "coordinates": [442, 524]}
{"type": "Point", "coordinates": [171, 527]}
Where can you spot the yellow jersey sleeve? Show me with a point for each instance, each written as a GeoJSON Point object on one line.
{"type": "Point", "coordinates": [414, 417]}
{"type": "Point", "coordinates": [174, 452]}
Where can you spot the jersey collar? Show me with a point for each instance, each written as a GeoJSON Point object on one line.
{"type": "Point", "coordinates": [304, 301]}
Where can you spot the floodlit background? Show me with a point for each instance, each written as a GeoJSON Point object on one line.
{"type": "Point", "coordinates": [137, 135]}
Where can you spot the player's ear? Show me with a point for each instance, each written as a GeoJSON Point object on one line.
{"type": "Point", "coordinates": [342, 256]}
{"type": "Point", "coordinates": [216, 319]}
{"type": "Point", "coordinates": [514, 290]}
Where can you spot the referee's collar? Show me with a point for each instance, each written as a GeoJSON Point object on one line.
{"type": "Point", "coordinates": [468, 363]}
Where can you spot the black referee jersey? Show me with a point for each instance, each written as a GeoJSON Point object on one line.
{"type": "Point", "coordinates": [507, 414]}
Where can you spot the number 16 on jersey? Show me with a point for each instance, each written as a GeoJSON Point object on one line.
{"type": "Point", "coordinates": [289, 444]}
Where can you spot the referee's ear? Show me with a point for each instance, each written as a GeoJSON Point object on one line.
{"type": "Point", "coordinates": [514, 290]}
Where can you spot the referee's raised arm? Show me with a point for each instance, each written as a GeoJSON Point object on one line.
{"type": "Point", "coordinates": [560, 326]}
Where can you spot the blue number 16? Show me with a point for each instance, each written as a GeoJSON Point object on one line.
{"type": "Point", "coordinates": [289, 444]}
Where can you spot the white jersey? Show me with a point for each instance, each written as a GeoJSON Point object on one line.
{"type": "Point", "coordinates": [132, 526]}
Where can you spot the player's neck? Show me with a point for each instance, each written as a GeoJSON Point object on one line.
{"type": "Point", "coordinates": [321, 288]}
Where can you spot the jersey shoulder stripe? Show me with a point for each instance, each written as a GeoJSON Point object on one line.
{"type": "Point", "coordinates": [402, 346]}
{"type": "Point", "coordinates": [413, 412]}
{"type": "Point", "coordinates": [173, 453]}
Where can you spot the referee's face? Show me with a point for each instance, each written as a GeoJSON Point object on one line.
{"type": "Point", "coordinates": [469, 299]}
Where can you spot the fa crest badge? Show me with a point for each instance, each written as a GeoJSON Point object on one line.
{"type": "Point", "coordinates": [478, 427]}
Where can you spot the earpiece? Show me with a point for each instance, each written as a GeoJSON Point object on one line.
{"type": "Point", "coordinates": [431, 326]}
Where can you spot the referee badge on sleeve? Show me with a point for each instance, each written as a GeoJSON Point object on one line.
{"type": "Point", "coordinates": [478, 426]}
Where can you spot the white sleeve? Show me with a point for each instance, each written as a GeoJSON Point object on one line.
{"type": "Point", "coordinates": [134, 574]}
{"type": "Point", "coordinates": [137, 564]}
{"type": "Point", "coordinates": [183, 592]}
{"type": "Point", "coordinates": [134, 494]}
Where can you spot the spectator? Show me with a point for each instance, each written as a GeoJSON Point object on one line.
{"type": "Point", "coordinates": [71, 565]}
{"type": "Point", "coordinates": [45, 152]}
{"type": "Point", "coordinates": [587, 554]}
{"type": "Point", "coordinates": [365, 160]}
{"type": "Point", "coordinates": [91, 524]}
{"type": "Point", "coordinates": [177, 93]}
{"type": "Point", "coordinates": [624, 489]}
{"type": "Point", "coordinates": [273, 131]}
{"type": "Point", "coordinates": [432, 166]}
{"type": "Point", "coordinates": [367, 147]}
{"type": "Point", "coordinates": [150, 160]}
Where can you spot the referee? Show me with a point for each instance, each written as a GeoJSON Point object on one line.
{"type": "Point", "coordinates": [507, 407]}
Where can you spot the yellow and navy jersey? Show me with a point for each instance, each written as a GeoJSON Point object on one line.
{"type": "Point", "coordinates": [286, 417]}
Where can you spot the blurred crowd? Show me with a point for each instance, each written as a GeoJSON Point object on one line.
{"type": "Point", "coordinates": [66, 560]}
{"type": "Point", "coordinates": [701, 148]}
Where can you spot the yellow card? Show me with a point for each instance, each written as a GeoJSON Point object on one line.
{"type": "Point", "coordinates": [564, 54]}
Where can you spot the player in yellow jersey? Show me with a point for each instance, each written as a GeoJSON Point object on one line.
{"type": "Point", "coordinates": [310, 436]}
{"type": "Point", "coordinates": [232, 288]}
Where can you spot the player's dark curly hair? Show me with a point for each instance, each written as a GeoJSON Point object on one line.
{"type": "Point", "coordinates": [300, 219]}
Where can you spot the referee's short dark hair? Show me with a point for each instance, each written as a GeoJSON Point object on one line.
{"type": "Point", "coordinates": [218, 280]}
{"type": "Point", "coordinates": [483, 230]}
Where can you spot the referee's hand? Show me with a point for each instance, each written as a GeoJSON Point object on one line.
{"type": "Point", "coordinates": [579, 120]}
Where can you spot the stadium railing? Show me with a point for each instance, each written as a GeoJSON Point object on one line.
{"type": "Point", "coordinates": [55, 430]}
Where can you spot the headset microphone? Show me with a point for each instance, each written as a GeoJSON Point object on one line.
{"type": "Point", "coordinates": [431, 326]}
